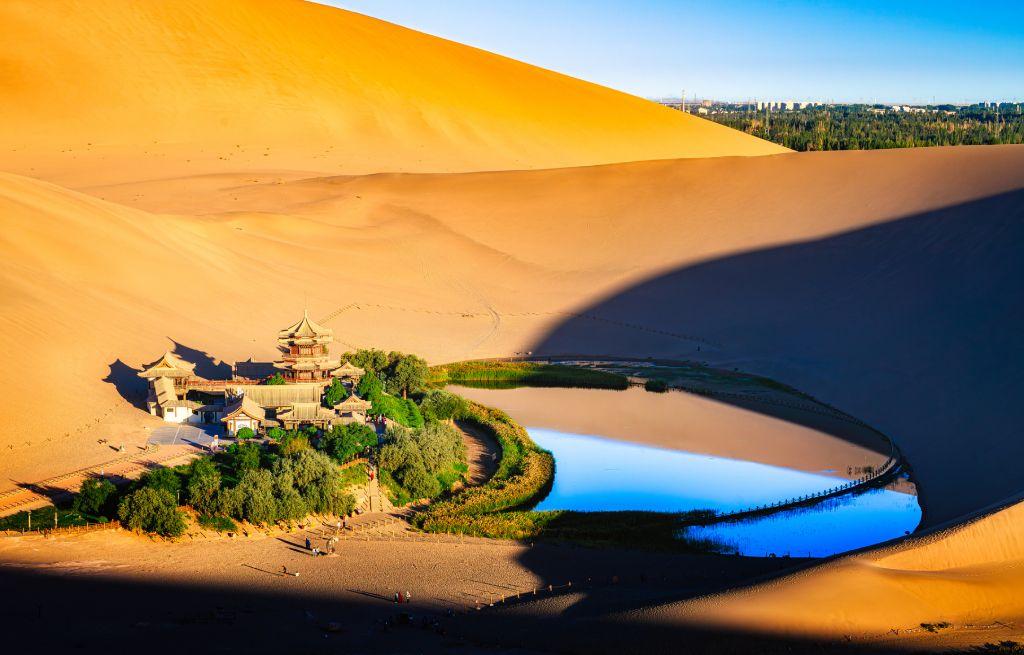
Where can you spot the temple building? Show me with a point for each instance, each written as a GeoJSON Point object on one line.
{"type": "Point", "coordinates": [178, 395]}
{"type": "Point", "coordinates": [305, 356]}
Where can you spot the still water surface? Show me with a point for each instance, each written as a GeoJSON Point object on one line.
{"type": "Point", "coordinates": [593, 473]}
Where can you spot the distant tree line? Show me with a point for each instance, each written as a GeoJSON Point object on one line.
{"type": "Point", "coordinates": [873, 127]}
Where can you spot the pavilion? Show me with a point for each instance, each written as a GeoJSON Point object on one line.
{"type": "Point", "coordinates": [178, 395]}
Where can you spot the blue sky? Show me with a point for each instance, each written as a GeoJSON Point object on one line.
{"type": "Point", "coordinates": [868, 50]}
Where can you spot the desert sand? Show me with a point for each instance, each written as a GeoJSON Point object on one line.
{"type": "Point", "coordinates": [191, 175]}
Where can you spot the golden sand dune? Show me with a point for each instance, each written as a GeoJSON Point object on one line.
{"type": "Point", "coordinates": [968, 575]}
{"type": "Point", "coordinates": [189, 175]}
{"type": "Point", "coordinates": [464, 265]}
{"type": "Point", "coordinates": [195, 85]}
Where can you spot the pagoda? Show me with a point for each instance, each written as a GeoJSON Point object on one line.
{"type": "Point", "coordinates": [305, 357]}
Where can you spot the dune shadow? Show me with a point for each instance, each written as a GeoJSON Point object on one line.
{"type": "Point", "coordinates": [129, 385]}
{"type": "Point", "coordinates": [206, 365]}
{"type": "Point", "coordinates": [913, 325]}
{"type": "Point", "coordinates": [275, 613]}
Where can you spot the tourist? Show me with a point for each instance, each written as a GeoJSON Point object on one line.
{"type": "Point", "coordinates": [309, 544]}
{"type": "Point", "coordinates": [408, 597]}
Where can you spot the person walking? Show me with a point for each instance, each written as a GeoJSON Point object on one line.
{"type": "Point", "coordinates": [309, 544]}
{"type": "Point", "coordinates": [408, 597]}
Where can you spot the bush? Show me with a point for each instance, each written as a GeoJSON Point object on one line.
{"type": "Point", "coordinates": [243, 457]}
{"type": "Point", "coordinates": [524, 474]}
{"type": "Point", "coordinates": [335, 393]}
{"type": "Point", "coordinates": [513, 374]}
{"type": "Point", "coordinates": [318, 481]}
{"type": "Point", "coordinates": [166, 479]}
{"type": "Point", "coordinates": [294, 442]}
{"type": "Point", "coordinates": [346, 442]}
{"type": "Point", "coordinates": [276, 378]}
{"type": "Point", "coordinates": [96, 497]}
{"type": "Point", "coordinates": [218, 523]}
{"type": "Point", "coordinates": [417, 482]}
{"type": "Point", "coordinates": [422, 463]}
{"type": "Point", "coordinates": [440, 405]}
{"type": "Point", "coordinates": [256, 488]}
{"type": "Point", "coordinates": [203, 483]}
{"type": "Point", "coordinates": [276, 433]}
{"type": "Point", "coordinates": [245, 433]}
{"type": "Point", "coordinates": [656, 385]}
{"type": "Point", "coordinates": [400, 410]}
{"type": "Point", "coordinates": [151, 509]}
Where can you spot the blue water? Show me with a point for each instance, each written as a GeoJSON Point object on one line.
{"type": "Point", "coordinates": [598, 474]}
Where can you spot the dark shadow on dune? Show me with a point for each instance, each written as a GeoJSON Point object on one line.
{"type": "Point", "coordinates": [206, 365]}
{"type": "Point", "coordinates": [96, 610]}
{"type": "Point", "coordinates": [128, 383]}
{"type": "Point", "coordinates": [915, 326]}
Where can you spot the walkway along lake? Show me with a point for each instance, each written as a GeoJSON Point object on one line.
{"type": "Point", "coordinates": [687, 452]}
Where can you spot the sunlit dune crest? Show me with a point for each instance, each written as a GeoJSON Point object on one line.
{"type": "Point", "coordinates": [190, 175]}
{"type": "Point", "coordinates": [286, 83]}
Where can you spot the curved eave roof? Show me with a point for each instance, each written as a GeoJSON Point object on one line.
{"type": "Point", "coordinates": [306, 328]}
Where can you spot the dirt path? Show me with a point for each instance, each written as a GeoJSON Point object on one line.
{"type": "Point", "coordinates": [482, 452]}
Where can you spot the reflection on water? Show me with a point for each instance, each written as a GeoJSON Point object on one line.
{"type": "Point", "coordinates": [598, 474]}
{"type": "Point", "coordinates": [832, 526]}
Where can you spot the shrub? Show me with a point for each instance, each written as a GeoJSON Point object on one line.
{"type": "Point", "coordinates": [276, 378]}
{"type": "Point", "coordinates": [345, 442]}
{"type": "Point", "coordinates": [163, 478]}
{"type": "Point", "coordinates": [440, 405]}
{"type": "Point", "coordinates": [417, 481]}
{"type": "Point", "coordinates": [422, 463]}
{"type": "Point", "coordinates": [294, 442]}
{"type": "Point", "coordinates": [656, 385]}
{"type": "Point", "coordinates": [243, 457]}
{"type": "Point", "coordinates": [96, 497]}
{"type": "Point", "coordinates": [203, 484]}
{"type": "Point", "coordinates": [256, 488]}
{"type": "Point", "coordinates": [245, 433]}
{"type": "Point", "coordinates": [317, 479]}
{"type": "Point", "coordinates": [276, 433]}
{"type": "Point", "coordinates": [151, 509]}
{"type": "Point", "coordinates": [523, 475]}
{"type": "Point", "coordinates": [513, 374]}
{"type": "Point", "coordinates": [335, 393]}
{"type": "Point", "coordinates": [218, 523]}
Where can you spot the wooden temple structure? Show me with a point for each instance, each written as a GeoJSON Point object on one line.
{"type": "Point", "coordinates": [178, 395]}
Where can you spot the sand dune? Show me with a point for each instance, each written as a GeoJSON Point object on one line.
{"type": "Point", "coordinates": [191, 174]}
{"type": "Point", "coordinates": [188, 86]}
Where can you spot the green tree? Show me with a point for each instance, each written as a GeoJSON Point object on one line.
{"type": "Point", "coordinates": [371, 360]}
{"type": "Point", "coordinates": [293, 442]}
{"type": "Point", "coordinates": [418, 482]}
{"type": "Point", "coordinates": [345, 442]}
{"type": "Point", "coordinates": [276, 433]}
{"type": "Point", "coordinates": [370, 386]}
{"type": "Point", "coordinates": [151, 510]}
{"type": "Point", "coordinates": [244, 434]}
{"type": "Point", "coordinates": [335, 393]}
{"type": "Point", "coordinates": [317, 479]}
{"type": "Point", "coordinates": [259, 505]}
{"type": "Point", "coordinates": [243, 456]}
{"type": "Point", "coordinates": [440, 405]}
{"type": "Point", "coordinates": [409, 374]}
{"type": "Point", "coordinates": [276, 378]}
{"type": "Point", "coordinates": [96, 497]}
{"type": "Point", "coordinates": [163, 478]}
{"type": "Point", "coordinates": [203, 483]}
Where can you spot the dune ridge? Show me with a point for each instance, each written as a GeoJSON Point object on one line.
{"type": "Point", "coordinates": [200, 86]}
{"type": "Point", "coordinates": [190, 174]}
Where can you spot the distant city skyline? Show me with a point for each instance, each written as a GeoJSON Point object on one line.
{"type": "Point", "coordinates": [874, 51]}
